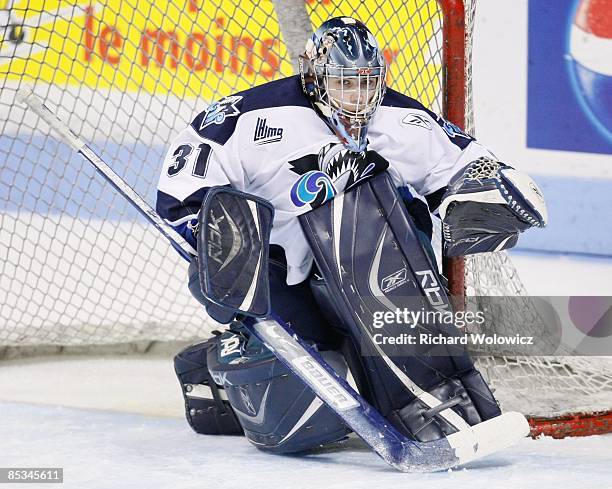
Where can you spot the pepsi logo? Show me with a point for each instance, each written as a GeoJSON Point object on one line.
{"type": "Point", "coordinates": [590, 61]}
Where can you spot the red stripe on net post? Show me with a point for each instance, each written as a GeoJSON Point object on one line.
{"type": "Point", "coordinates": [579, 424]}
{"type": "Point", "coordinates": [453, 107]}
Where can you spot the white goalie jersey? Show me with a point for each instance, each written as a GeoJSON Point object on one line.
{"type": "Point", "coordinates": [268, 141]}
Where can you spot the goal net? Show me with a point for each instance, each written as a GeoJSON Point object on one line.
{"type": "Point", "coordinates": [81, 268]}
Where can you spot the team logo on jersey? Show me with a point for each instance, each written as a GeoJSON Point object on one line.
{"type": "Point", "coordinates": [335, 169]}
{"type": "Point", "coordinates": [452, 130]}
{"type": "Point", "coordinates": [265, 134]}
{"type": "Point", "coordinates": [314, 188]}
{"type": "Point", "coordinates": [221, 110]}
{"type": "Point", "coordinates": [417, 120]}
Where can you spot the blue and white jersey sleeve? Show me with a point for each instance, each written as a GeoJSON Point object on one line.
{"type": "Point", "coordinates": [192, 165]}
{"type": "Point", "coordinates": [449, 150]}
{"type": "Point", "coordinates": [424, 149]}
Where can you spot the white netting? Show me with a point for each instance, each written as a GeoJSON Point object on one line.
{"type": "Point", "coordinates": [79, 265]}
{"type": "Point", "coordinates": [540, 386]}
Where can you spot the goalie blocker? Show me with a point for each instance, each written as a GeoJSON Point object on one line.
{"type": "Point", "coordinates": [487, 205]}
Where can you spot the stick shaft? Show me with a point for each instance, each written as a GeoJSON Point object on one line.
{"type": "Point", "coordinates": [37, 106]}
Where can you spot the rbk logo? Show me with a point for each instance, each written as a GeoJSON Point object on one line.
{"type": "Point", "coordinates": [215, 243]}
{"type": "Point", "coordinates": [417, 120]}
{"type": "Point", "coordinates": [246, 399]}
{"type": "Point", "coordinates": [432, 289]}
{"type": "Point", "coordinates": [265, 134]}
{"type": "Point", "coordinates": [394, 280]}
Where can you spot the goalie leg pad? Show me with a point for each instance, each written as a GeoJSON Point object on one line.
{"type": "Point", "coordinates": [367, 249]}
{"type": "Point", "coordinates": [468, 395]}
{"type": "Point", "coordinates": [207, 409]}
{"type": "Point", "coordinates": [277, 411]}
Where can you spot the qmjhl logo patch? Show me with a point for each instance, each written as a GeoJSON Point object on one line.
{"type": "Point", "coordinates": [265, 134]}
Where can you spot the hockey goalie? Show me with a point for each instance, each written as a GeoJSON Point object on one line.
{"type": "Point", "coordinates": [354, 175]}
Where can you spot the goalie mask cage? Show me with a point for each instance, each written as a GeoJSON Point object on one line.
{"type": "Point", "coordinates": [80, 269]}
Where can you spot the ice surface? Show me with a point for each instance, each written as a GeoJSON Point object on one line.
{"type": "Point", "coordinates": [558, 274]}
{"type": "Point", "coordinates": [47, 418]}
{"type": "Point", "coordinates": [105, 449]}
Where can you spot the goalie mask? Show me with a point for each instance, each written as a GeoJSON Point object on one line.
{"type": "Point", "coordinates": [343, 73]}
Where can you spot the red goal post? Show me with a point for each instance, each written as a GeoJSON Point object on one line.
{"type": "Point", "coordinates": [458, 28]}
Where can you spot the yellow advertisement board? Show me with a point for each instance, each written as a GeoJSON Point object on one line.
{"type": "Point", "coordinates": [196, 48]}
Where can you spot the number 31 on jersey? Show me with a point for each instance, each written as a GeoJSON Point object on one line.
{"type": "Point", "coordinates": [182, 156]}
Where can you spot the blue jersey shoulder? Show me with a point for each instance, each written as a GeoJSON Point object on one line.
{"type": "Point", "coordinates": [218, 122]}
{"type": "Point", "coordinates": [394, 98]}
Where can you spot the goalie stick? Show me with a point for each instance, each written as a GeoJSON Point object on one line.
{"type": "Point", "coordinates": [304, 361]}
